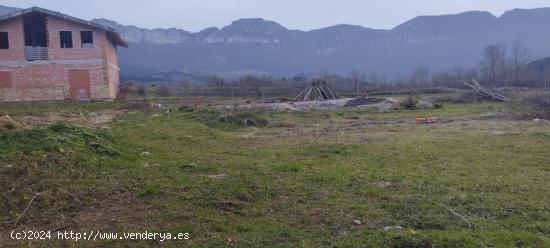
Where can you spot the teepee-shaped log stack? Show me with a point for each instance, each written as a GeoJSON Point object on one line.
{"type": "Point", "coordinates": [317, 91]}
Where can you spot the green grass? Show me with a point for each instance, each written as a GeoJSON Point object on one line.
{"type": "Point", "coordinates": [300, 179]}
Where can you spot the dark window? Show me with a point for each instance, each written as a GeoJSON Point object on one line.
{"type": "Point", "coordinates": [4, 42]}
{"type": "Point", "coordinates": [87, 39]}
{"type": "Point", "coordinates": [66, 38]}
{"type": "Point", "coordinates": [35, 28]}
{"type": "Point", "coordinates": [36, 36]}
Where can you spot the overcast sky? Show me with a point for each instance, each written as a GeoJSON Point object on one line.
{"type": "Point", "coordinates": [195, 15]}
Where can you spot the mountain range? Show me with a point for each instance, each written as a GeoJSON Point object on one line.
{"type": "Point", "coordinates": [258, 46]}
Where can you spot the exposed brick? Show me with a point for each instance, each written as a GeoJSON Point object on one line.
{"type": "Point", "coordinates": [5, 79]}
{"type": "Point", "coordinates": [48, 80]}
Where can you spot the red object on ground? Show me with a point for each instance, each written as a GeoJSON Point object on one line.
{"type": "Point", "coordinates": [428, 119]}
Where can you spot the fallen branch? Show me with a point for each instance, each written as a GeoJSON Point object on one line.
{"type": "Point", "coordinates": [25, 211]}
{"type": "Point", "coordinates": [482, 90]}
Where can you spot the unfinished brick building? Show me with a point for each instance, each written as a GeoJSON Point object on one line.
{"type": "Point", "coordinates": [46, 55]}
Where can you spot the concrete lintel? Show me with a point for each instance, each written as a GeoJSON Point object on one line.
{"type": "Point", "coordinates": [18, 63]}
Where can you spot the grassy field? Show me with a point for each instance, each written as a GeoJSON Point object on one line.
{"type": "Point", "coordinates": [286, 179]}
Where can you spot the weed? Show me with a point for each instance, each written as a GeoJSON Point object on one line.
{"type": "Point", "coordinates": [59, 127]}
{"type": "Point", "coordinates": [9, 126]}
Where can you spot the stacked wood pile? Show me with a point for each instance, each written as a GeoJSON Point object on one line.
{"type": "Point", "coordinates": [483, 91]}
{"type": "Point", "coordinates": [318, 91]}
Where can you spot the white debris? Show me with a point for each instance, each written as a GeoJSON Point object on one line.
{"type": "Point", "coordinates": [217, 176]}
{"type": "Point", "coordinates": [315, 105]}
{"type": "Point", "coordinates": [390, 228]}
{"type": "Point", "coordinates": [149, 165]}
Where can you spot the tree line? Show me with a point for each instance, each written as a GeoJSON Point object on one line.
{"type": "Point", "coordinates": [499, 66]}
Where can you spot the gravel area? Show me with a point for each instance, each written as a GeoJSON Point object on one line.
{"type": "Point", "coordinates": [346, 103]}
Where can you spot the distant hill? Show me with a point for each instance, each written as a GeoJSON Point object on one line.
{"type": "Point", "coordinates": [540, 64]}
{"type": "Point", "coordinates": [262, 46]}
{"type": "Point", "coordinates": [539, 70]}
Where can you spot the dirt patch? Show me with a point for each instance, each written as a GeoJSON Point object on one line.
{"type": "Point", "coordinates": [8, 123]}
{"type": "Point", "coordinates": [538, 106]}
{"type": "Point", "coordinates": [83, 119]}
{"type": "Point", "coordinates": [122, 208]}
{"type": "Point", "coordinates": [118, 209]}
{"type": "Point", "coordinates": [227, 206]}
{"type": "Point", "coordinates": [363, 101]}
{"type": "Point", "coordinates": [504, 117]}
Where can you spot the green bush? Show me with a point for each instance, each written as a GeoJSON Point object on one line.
{"type": "Point", "coordinates": [59, 127]}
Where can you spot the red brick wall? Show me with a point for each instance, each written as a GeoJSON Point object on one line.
{"type": "Point", "coordinates": [49, 80]}
{"type": "Point", "coordinates": [14, 28]}
{"type": "Point", "coordinates": [5, 79]}
{"type": "Point", "coordinates": [55, 25]}
{"type": "Point", "coordinates": [113, 71]}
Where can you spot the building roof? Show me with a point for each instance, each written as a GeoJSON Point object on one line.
{"type": "Point", "coordinates": [111, 32]}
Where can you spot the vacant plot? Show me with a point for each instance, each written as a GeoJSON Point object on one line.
{"type": "Point", "coordinates": [278, 179]}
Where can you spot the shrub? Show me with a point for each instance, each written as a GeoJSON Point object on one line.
{"type": "Point", "coordinates": [410, 102]}
{"type": "Point", "coordinates": [141, 90]}
{"type": "Point", "coordinates": [59, 127]}
{"type": "Point", "coordinates": [103, 149]}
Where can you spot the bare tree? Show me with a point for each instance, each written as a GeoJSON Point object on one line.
{"type": "Point", "coordinates": [520, 57]}
{"type": "Point", "coordinates": [373, 78]}
{"type": "Point", "coordinates": [420, 75]}
{"type": "Point", "coordinates": [357, 78]}
{"type": "Point", "coordinates": [459, 72]}
{"type": "Point", "coordinates": [217, 83]}
{"type": "Point", "coordinates": [164, 91]}
{"type": "Point", "coordinates": [472, 73]}
{"type": "Point", "coordinates": [253, 82]}
{"type": "Point", "coordinates": [124, 90]}
{"type": "Point", "coordinates": [493, 65]}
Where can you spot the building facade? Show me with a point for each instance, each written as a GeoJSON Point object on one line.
{"type": "Point", "coordinates": [49, 56]}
